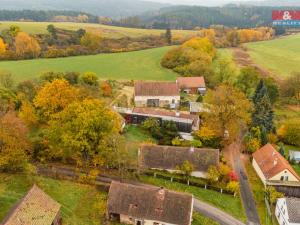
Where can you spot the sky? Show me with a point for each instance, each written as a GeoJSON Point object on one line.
{"type": "Point", "coordinates": [199, 2]}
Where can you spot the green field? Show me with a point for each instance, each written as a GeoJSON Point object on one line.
{"type": "Point", "coordinates": [139, 65]}
{"type": "Point", "coordinates": [281, 56]}
{"type": "Point", "coordinates": [106, 31]}
{"type": "Point", "coordinates": [81, 204]}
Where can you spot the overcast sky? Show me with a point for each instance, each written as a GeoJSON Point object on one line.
{"type": "Point", "coordinates": [199, 2]}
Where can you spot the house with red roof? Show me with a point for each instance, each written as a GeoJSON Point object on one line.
{"type": "Point", "coordinates": [272, 167]}
{"type": "Point", "coordinates": [192, 85]}
{"type": "Point", "coordinates": [156, 94]}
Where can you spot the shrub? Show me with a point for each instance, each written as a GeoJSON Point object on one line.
{"type": "Point", "coordinates": [289, 132]}
{"type": "Point", "coordinates": [89, 78]}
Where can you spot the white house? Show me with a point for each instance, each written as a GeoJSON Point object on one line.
{"type": "Point", "coordinates": [145, 205]}
{"type": "Point", "coordinates": [294, 155]}
{"type": "Point", "coordinates": [170, 157]}
{"type": "Point", "coordinates": [272, 167]}
{"type": "Point", "coordinates": [156, 94]}
{"type": "Point", "coordinates": [287, 211]}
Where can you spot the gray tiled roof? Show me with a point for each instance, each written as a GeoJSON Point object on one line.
{"type": "Point", "coordinates": [293, 206]}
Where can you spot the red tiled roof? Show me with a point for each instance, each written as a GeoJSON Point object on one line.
{"type": "Point", "coordinates": [191, 82]}
{"type": "Point", "coordinates": [142, 88]}
{"type": "Point", "coordinates": [266, 158]}
{"type": "Point", "coordinates": [163, 112]}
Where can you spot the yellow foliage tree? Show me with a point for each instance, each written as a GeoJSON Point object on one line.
{"type": "Point", "coordinates": [27, 114]}
{"type": "Point", "coordinates": [2, 47]}
{"type": "Point", "coordinates": [201, 44]}
{"type": "Point", "coordinates": [91, 41]}
{"type": "Point", "coordinates": [55, 96]}
{"type": "Point", "coordinates": [228, 109]}
{"type": "Point", "coordinates": [27, 46]}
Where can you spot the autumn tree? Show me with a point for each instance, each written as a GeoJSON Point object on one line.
{"type": "Point", "coordinates": [8, 100]}
{"type": "Point", "coordinates": [6, 80]}
{"type": "Point", "coordinates": [89, 78]}
{"type": "Point", "coordinates": [187, 169]}
{"type": "Point", "coordinates": [91, 41]}
{"type": "Point", "coordinates": [54, 97]}
{"type": "Point", "coordinates": [2, 47]}
{"type": "Point", "coordinates": [27, 89]}
{"type": "Point", "coordinates": [228, 108]}
{"type": "Point", "coordinates": [291, 87]}
{"type": "Point", "coordinates": [86, 132]}
{"type": "Point", "coordinates": [202, 45]}
{"type": "Point", "coordinates": [289, 132]}
{"type": "Point", "coordinates": [106, 89]}
{"type": "Point", "coordinates": [213, 174]}
{"type": "Point", "coordinates": [27, 114]}
{"type": "Point", "coordinates": [247, 80]}
{"type": "Point", "coordinates": [26, 46]}
{"type": "Point", "coordinates": [14, 147]}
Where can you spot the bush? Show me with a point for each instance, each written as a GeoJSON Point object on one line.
{"type": "Point", "coordinates": [289, 132]}
{"type": "Point", "coordinates": [89, 78]}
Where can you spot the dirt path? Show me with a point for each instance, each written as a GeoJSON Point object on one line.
{"type": "Point", "coordinates": [243, 59]}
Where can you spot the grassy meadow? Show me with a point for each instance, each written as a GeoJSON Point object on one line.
{"type": "Point", "coordinates": [281, 56]}
{"type": "Point", "coordinates": [104, 30]}
{"type": "Point", "coordinates": [138, 65]}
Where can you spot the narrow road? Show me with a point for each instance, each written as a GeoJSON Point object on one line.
{"type": "Point", "coordinates": [246, 193]}
{"type": "Point", "coordinates": [215, 213]}
{"type": "Point", "coordinates": [199, 206]}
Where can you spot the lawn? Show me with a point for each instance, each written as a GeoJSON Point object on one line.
{"type": "Point", "coordinates": [225, 202]}
{"type": "Point", "coordinates": [199, 219]}
{"type": "Point", "coordinates": [258, 192]}
{"type": "Point", "coordinates": [104, 30]}
{"type": "Point", "coordinates": [281, 56]}
{"type": "Point", "coordinates": [135, 136]}
{"type": "Point", "coordinates": [81, 204]}
{"type": "Point", "coordinates": [139, 65]}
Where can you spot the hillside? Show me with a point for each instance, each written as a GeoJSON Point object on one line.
{"type": "Point", "coordinates": [275, 3]}
{"type": "Point", "coordinates": [106, 31]}
{"type": "Point", "coordinates": [280, 56]}
{"type": "Point", "coordinates": [140, 65]}
{"type": "Point", "coordinates": [111, 8]}
{"type": "Point", "coordinates": [189, 17]}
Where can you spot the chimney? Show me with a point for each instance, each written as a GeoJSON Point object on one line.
{"type": "Point", "coordinates": [177, 113]}
{"type": "Point", "coordinates": [192, 149]}
{"type": "Point", "coordinates": [273, 153]}
{"type": "Point", "coordinates": [275, 161]}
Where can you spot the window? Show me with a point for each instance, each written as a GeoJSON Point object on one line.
{"type": "Point", "coordinates": [281, 178]}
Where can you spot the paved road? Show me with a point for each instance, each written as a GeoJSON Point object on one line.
{"type": "Point", "coordinates": [246, 193]}
{"type": "Point", "coordinates": [215, 213]}
{"type": "Point", "coordinates": [199, 206]}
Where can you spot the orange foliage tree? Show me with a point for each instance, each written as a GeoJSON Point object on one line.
{"type": "Point", "coordinates": [2, 47]}
{"type": "Point", "coordinates": [27, 46]}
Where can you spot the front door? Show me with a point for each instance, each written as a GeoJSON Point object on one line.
{"type": "Point", "coordinates": [138, 222]}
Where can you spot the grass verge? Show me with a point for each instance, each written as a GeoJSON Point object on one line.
{"type": "Point", "coordinates": [227, 203]}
